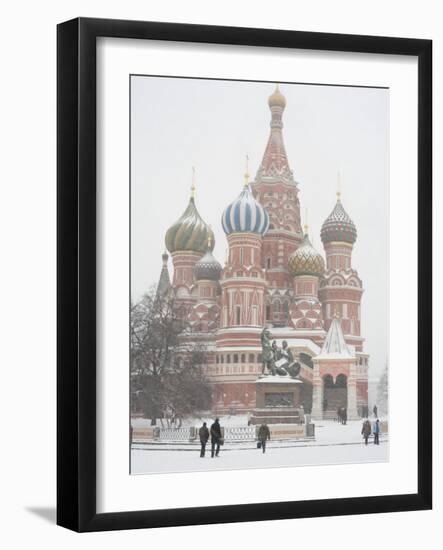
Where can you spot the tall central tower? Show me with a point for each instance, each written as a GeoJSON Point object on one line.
{"type": "Point", "coordinates": [275, 188]}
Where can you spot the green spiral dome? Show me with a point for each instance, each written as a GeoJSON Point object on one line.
{"type": "Point", "coordinates": [190, 233]}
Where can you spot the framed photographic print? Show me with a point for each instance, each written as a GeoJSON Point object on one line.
{"type": "Point", "coordinates": [244, 274]}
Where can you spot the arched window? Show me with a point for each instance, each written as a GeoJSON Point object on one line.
{"type": "Point", "coordinates": [235, 358]}
{"type": "Point", "coordinates": [228, 358]}
{"type": "Point", "coordinates": [277, 306]}
{"type": "Point", "coordinates": [222, 359]}
{"type": "Point", "coordinates": [251, 358]}
{"type": "Point", "coordinates": [243, 358]}
{"type": "Point", "coordinates": [268, 263]}
{"type": "Point", "coordinates": [216, 359]}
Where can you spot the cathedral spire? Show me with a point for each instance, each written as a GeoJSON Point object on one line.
{"type": "Point", "coordinates": [164, 282]}
{"type": "Point", "coordinates": [246, 175]}
{"type": "Point", "coordinates": [193, 184]}
{"type": "Point", "coordinates": [338, 192]}
{"type": "Point", "coordinates": [275, 165]}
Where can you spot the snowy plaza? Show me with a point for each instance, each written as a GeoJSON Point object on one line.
{"type": "Point", "coordinates": [272, 339]}
{"type": "Point", "coordinates": [334, 444]}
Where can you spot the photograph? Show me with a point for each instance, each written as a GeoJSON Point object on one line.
{"type": "Point", "coordinates": [259, 268]}
{"type": "Point", "coordinates": [224, 221]}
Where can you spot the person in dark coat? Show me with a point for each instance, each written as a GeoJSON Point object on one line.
{"type": "Point", "coordinates": [203, 433]}
{"type": "Point", "coordinates": [215, 438]}
{"type": "Point", "coordinates": [376, 431]}
{"type": "Point", "coordinates": [344, 416]}
{"type": "Point", "coordinates": [375, 411]}
{"type": "Point", "coordinates": [366, 430]}
{"type": "Point", "coordinates": [263, 435]}
{"type": "Point", "coordinates": [339, 418]}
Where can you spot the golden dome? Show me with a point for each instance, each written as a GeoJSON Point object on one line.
{"type": "Point", "coordinates": [306, 260]}
{"type": "Point", "coordinates": [277, 99]}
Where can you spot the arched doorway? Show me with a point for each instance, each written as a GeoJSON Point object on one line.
{"type": "Point", "coordinates": [335, 394]}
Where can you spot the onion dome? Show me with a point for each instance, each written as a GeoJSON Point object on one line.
{"type": "Point", "coordinates": [207, 267]}
{"type": "Point", "coordinates": [338, 226]}
{"type": "Point", "coordinates": [245, 214]}
{"type": "Point", "coordinates": [190, 233]}
{"type": "Point", "coordinates": [277, 99]}
{"type": "Point", "coordinates": [306, 260]}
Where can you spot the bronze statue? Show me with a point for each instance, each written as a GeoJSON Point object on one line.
{"type": "Point", "coordinates": [292, 367]}
{"type": "Point", "coordinates": [277, 361]}
{"type": "Point", "coordinates": [267, 352]}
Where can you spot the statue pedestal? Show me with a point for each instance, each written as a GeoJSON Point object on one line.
{"type": "Point", "coordinates": [277, 400]}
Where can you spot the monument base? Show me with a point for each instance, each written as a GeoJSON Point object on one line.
{"type": "Point", "coordinates": [277, 400]}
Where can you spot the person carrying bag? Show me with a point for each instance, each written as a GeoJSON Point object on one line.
{"type": "Point", "coordinates": [263, 435]}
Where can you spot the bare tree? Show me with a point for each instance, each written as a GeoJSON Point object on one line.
{"type": "Point", "coordinates": [383, 392]}
{"type": "Point", "coordinates": [166, 366]}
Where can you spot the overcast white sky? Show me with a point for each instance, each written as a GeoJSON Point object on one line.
{"type": "Point", "coordinates": [212, 125]}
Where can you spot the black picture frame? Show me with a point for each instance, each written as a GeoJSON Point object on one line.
{"type": "Point", "coordinates": [76, 265]}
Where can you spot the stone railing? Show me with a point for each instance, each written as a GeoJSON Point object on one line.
{"type": "Point", "coordinates": [240, 433]}
{"type": "Point", "coordinates": [230, 434]}
{"type": "Point", "coordinates": [174, 434]}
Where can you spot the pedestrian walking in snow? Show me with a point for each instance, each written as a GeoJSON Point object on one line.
{"type": "Point", "coordinates": [263, 435]}
{"type": "Point", "coordinates": [339, 418]}
{"type": "Point", "coordinates": [216, 437]}
{"type": "Point", "coordinates": [376, 431]}
{"type": "Point", "coordinates": [203, 433]}
{"type": "Point", "coordinates": [344, 416]}
{"type": "Point", "coordinates": [375, 411]}
{"type": "Point", "coordinates": [366, 430]}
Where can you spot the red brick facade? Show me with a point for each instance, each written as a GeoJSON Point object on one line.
{"type": "Point", "coordinates": [256, 288]}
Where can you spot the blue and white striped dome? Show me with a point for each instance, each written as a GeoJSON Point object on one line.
{"type": "Point", "coordinates": [245, 214]}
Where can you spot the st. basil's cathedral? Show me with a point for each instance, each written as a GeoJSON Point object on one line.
{"type": "Point", "coordinates": [272, 277]}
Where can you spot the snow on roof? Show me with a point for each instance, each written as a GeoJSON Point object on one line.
{"type": "Point", "coordinates": [295, 339]}
{"type": "Point", "coordinates": [239, 349]}
{"type": "Point", "coordinates": [301, 343]}
{"type": "Point", "coordinates": [334, 346]}
{"type": "Point", "coordinates": [269, 379]}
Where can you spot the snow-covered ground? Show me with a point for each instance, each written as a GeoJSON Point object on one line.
{"type": "Point", "coordinates": [334, 444]}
